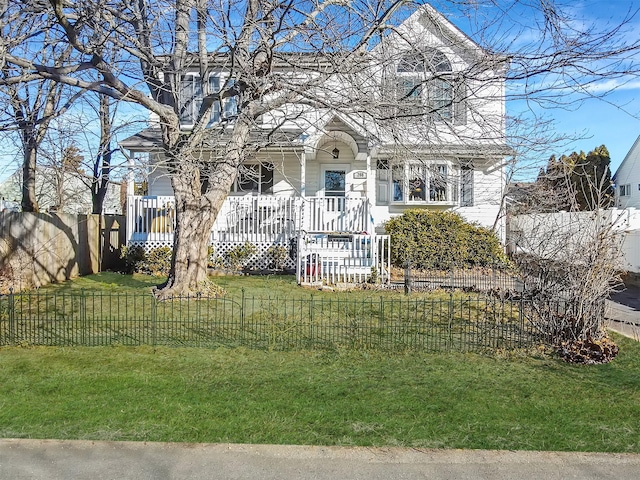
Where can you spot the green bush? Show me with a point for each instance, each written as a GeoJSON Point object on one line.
{"type": "Point", "coordinates": [158, 261]}
{"type": "Point", "coordinates": [238, 255]}
{"type": "Point", "coordinates": [155, 262]}
{"type": "Point", "coordinates": [278, 255]}
{"type": "Point", "coordinates": [133, 256]}
{"type": "Point", "coordinates": [431, 239]}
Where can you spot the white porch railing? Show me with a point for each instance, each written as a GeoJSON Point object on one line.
{"type": "Point", "coordinates": [337, 214]}
{"type": "Point", "coordinates": [348, 258]}
{"type": "Point", "coordinates": [255, 219]}
{"type": "Point", "coordinates": [150, 219]}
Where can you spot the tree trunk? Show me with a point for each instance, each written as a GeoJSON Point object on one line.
{"type": "Point", "coordinates": [188, 272]}
{"type": "Point", "coordinates": [102, 163]}
{"type": "Point", "coordinates": [195, 216]}
{"type": "Point", "coordinates": [29, 200]}
{"type": "Point", "coordinates": [196, 211]}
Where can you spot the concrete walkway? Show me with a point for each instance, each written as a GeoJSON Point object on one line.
{"type": "Point", "coordinates": [70, 460]}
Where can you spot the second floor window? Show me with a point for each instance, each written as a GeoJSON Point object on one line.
{"type": "Point", "coordinates": [625, 190]}
{"type": "Point", "coordinates": [427, 87]}
{"type": "Point", "coordinates": [191, 96]}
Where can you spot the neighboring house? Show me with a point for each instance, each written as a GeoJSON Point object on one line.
{"type": "Point", "coordinates": [627, 188]}
{"type": "Point", "coordinates": [627, 179]}
{"type": "Point", "coordinates": [333, 178]}
{"type": "Point", "coordinates": [58, 191]}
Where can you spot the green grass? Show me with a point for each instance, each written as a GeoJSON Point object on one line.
{"type": "Point", "coordinates": [283, 286]}
{"type": "Point", "coordinates": [531, 402]}
{"type": "Point", "coordinates": [274, 314]}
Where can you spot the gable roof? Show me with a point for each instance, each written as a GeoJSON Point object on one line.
{"type": "Point", "coordinates": [628, 159]}
{"type": "Point", "coordinates": [426, 19]}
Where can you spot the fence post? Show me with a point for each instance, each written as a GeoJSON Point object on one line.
{"type": "Point", "coordinates": [11, 307]}
{"type": "Point", "coordinates": [242, 313]}
{"type": "Point", "coordinates": [311, 339]}
{"type": "Point", "coordinates": [450, 313]}
{"type": "Point", "coordinates": [83, 318]}
{"type": "Point", "coordinates": [381, 320]}
{"type": "Point", "coordinates": [154, 320]}
{"type": "Point", "coordinates": [408, 284]}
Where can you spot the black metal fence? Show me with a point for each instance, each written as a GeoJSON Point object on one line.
{"type": "Point", "coordinates": [490, 278]}
{"type": "Point", "coordinates": [457, 323]}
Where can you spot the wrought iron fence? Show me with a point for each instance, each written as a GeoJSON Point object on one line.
{"type": "Point", "coordinates": [490, 278]}
{"type": "Point", "coordinates": [456, 323]}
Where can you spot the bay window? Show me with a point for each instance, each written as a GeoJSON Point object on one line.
{"type": "Point", "coordinates": [424, 182]}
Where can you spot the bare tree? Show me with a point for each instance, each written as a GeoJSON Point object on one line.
{"type": "Point", "coordinates": [93, 126]}
{"type": "Point", "coordinates": [31, 105]}
{"type": "Point", "coordinates": [285, 59]}
{"type": "Point", "coordinates": [571, 261]}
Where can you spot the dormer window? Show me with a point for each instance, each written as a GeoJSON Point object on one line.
{"type": "Point", "coordinates": [427, 87]}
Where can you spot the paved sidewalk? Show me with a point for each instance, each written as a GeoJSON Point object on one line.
{"type": "Point", "coordinates": [70, 460]}
{"type": "Point", "coordinates": [623, 309]}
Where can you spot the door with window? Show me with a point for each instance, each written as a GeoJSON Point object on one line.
{"type": "Point", "coordinates": [334, 190]}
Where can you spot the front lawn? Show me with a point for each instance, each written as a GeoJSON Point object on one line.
{"type": "Point", "coordinates": [338, 398]}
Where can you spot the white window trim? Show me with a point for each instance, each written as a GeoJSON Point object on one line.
{"type": "Point", "coordinates": [235, 188]}
{"type": "Point", "coordinates": [221, 111]}
{"type": "Point", "coordinates": [452, 194]}
{"type": "Point", "coordinates": [625, 190]}
{"type": "Point", "coordinates": [429, 84]}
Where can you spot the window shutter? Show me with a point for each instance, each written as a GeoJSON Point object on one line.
{"type": "Point", "coordinates": [466, 185]}
{"type": "Point", "coordinates": [460, 103]}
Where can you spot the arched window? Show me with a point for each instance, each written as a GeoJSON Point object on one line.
{"type": "Point", "coordinates": [427, 87]}
{"type": "Point", "coordinates": [427, 61]}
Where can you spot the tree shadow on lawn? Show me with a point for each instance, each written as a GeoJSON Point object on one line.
{"type": "Point", "coordinates": [108, 282]}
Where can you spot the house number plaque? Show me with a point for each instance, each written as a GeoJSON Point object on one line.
{"type": "Point", "coordinates": [359, 175]}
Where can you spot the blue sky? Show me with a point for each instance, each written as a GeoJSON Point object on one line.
{"type": "Point", "coordinates": [614, 122]}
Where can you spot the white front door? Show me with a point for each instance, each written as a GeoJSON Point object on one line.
{"type": "Point", "coordinates": [334, 180]}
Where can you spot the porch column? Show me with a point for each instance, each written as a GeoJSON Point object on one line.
{"type": "Point", "coordinates": [130, 176]}
{"type": "Point", "coordinates": [303, 173]}
{"type": "Point", "coordinates": [371, 192]}
{"type": "Point", "coordinates": [130, 201]}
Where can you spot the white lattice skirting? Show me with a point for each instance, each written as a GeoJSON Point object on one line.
{"type": "Point", "coordinates": [261, 260]}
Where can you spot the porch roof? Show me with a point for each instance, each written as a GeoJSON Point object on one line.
{"type": "Point", "coordinates": [150, 139]}
{"type": "Point", "coordinates": [476, 151]}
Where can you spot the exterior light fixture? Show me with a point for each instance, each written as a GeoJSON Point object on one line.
{"type": "Point", "coordinates": [335, 152]}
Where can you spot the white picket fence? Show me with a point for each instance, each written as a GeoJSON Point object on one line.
{"type": "Point", "coordinates": [343, 258]}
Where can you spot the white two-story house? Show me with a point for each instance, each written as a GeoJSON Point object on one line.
{"type": "Point", "coordinates": [337, 175]}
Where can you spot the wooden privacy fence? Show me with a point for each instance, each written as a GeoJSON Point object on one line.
{"type": "Point", "coordinates": [40, 248]}
{"type": "Point", "coordinates": [450, 323]}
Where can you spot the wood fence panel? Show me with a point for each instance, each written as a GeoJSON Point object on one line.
{"type": "Point", "coordinates": [40, 248]}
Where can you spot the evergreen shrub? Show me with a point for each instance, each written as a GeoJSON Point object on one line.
{"type": "Point", "coordinates": [441, 240]}
{"type": "Point", "coordinates": [155, 262]}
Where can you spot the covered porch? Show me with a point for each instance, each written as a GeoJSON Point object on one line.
{"type": "Point", "coordinates": [329, 239]}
